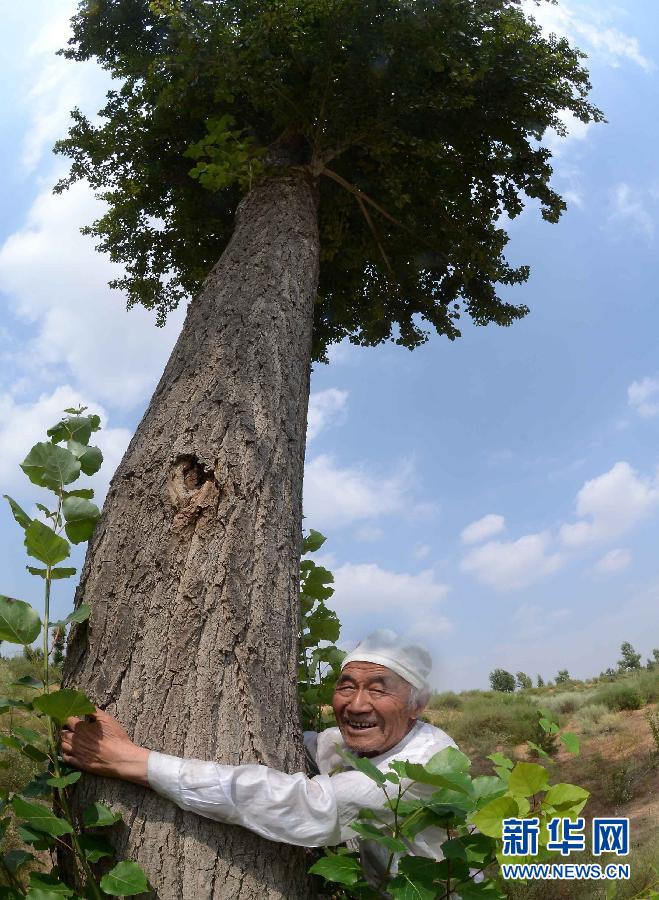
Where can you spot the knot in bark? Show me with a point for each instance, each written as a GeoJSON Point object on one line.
{"type": "Point", "coordinates": [193, 491]}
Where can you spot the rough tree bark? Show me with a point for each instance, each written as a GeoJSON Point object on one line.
{"type": "Point", "coordinates": [192, 573]}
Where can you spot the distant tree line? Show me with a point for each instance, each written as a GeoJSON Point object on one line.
{"type": "Point", "coordinates": [630, 661]}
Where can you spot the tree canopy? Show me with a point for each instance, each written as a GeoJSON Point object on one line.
{"type": "Point", "coordinates": [421, 119]}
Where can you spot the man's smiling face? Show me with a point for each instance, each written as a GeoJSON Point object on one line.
{"type": "Point", "coordinates": [371, 708]}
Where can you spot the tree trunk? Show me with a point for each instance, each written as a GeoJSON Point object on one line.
{"type": "Point", "coordinates": [192, 573]}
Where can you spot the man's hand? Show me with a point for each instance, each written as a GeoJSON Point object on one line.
{"type": "Point", "coordinates": [98, 744]}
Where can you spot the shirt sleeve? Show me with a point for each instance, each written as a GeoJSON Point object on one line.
{"type": "Point", "coordinates": [291, 809]}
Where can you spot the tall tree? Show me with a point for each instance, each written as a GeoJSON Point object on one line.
{"type": "Point", "coordinates": [630, 660]}
{"type": "Point", "coordinates": [502, 680]}
{"type": "Point", "coordinates": [308, 171]}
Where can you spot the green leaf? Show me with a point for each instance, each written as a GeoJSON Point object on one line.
{"type": "Point", "coordinates": [16, 858]}
{"type": "Point", "coordinates": [34, 753]}
{"type": "Point", "coordinates": [8, 740]}
{"type": "Point", "coordinates": [548, 726]}
{"type": "Point", "coordinates": [414, 880]}
{"type": "Point", "coordinates": [81, 516]}
{"type": "Point", "coordinates": [95, 847]}
{"type": "Point", "coordinates": [19, 514]}
{"type": "Point", "coordinates": [99, 816]}
{"type": "Point", "coordinates": [362, 764]}
{"type": "Point", "coordinates": [314, 584]}
{"type": "Point", "coordinates": [571, 742]}
{"type": "Point", "coordinates": [55, 574]}
{"type": "Point", "coordinates": [81, 614]}
{"type": "Point", "coordinates": [90, 458]}
{"type": "Point", "coordinates": [46, 884]}
{"type": "Point", "coordinates": [46, 546]}
{"type": "Point", "coordinates": [313, 541]}
{"type": "Point", "coordinates": [418, 821]}
{"type": "Point", "coordinates": [38, 788]}
{"type": "Point", "coordinates": [28, 681]}
{"type": "Point", "coordinates": [73, 428]}
{"type": "Point", "coordinates": [126, 879]}
{"type": "Point", "coordinates": [454, 781]}
{"type": "Point", "coordinates": [85, 493]}
{"type": "Point", "coordinates": [480, 849]}
{"type": "Point", "coordinates": [450, 759]}
{"type": "Point", "coordinates": [489, 818]}
{"type": "Point", "coordinates": [28, 734]}
{"type": "Point", "coordinates": [342, 869]}
{"type": "Point", "coordinates": [64, 780]}
{"type": "Point", "coordinates": [61, 704]}
{"type": "Point", "coordinates": [37, 893]}
{"type": "Point", "coordinates": [371, 833]}
{"type": "Point", "coordinates": [41, 818]}
{"type": "Point", "coordinates": [488, 786]}
{"type": "Point", "coordinates": [50, 466]}
{"type": "Point", "coordinates": [38, 839]}
{"type": "Point", "coordinates": [482, 890]}
{"type": "Point", "coordinates": [538, 749]}
{"type": "Point", "coordinates": [527, 779]}
{"type": "Point", "coordinates": [500, 760]}
{"type": "Point", "coordinates": [7, 703]}
{"type": "Point", "coordinates": [565, 798]}
{"type": "Point", "coordinates": [19, 623]}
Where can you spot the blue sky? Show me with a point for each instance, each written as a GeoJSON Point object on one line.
{"type": "Point", "coordinates": [498, 497]}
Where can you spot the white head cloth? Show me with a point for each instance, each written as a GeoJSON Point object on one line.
{"type": "Point", "coordinates": [384, 647]}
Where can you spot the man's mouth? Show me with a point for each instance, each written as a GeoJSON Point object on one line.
{"type": "Point", "coordinates": [362, 726]}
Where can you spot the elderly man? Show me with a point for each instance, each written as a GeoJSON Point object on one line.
{"type": "Point", "coordinates": [379, 695]}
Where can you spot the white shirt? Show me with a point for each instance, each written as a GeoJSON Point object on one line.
{"type": "Point", "coordinates": [296, 809]}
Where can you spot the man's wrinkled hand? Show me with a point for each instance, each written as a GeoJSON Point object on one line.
{"type": "Point", "coordinates": [100, 745]}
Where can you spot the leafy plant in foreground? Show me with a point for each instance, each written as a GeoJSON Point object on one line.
{"type": "Point", "coordinates": [42, 826]}
{"type": "Point", "coordinates": [471, 812]}
{"type": "Point", "coordinates": [318, 666]}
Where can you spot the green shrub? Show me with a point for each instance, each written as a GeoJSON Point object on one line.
{"type": "Point", "coordinates": [619, 696]}
{"type": "Point", "coordinates": [647, 684]}
{"type": "Point", "coordinates": [596, 718]}
{"type": "Point", "coordinates": [508, 719]}
{"type": "Point", "coordinates": [567, 702]}
{"type": "Point", "coordinates": [591, 714]}
{"type": "Point", "coordinates": [447, 700]}
{"type": "Point", "coordinates": [619, 786]}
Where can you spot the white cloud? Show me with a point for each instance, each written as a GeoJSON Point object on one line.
{"type": "Point", "coordinates": [627, 208]}
{"type": "Point", "coordinates": [643, 396]}
{"type": "Point", "coordinates": [421, 551]}
{"type": "Point", "coordinates": [369, 533]}
{"type": "Point", "coordinates": [24, 424]}
{"type": "Point", "coordinates": [343, 352]}
{"type": "Point", "coordinates": [56, 281]}
{"type": "Point", "coordinates": [368, 596]}
{"type": "Point", "coordinates": [531, 621]}
{"type": "Point", "coordinates": [335, 496]}
{"type": "Point", "coordinates": [588, 30]}
{"type": "Point", "coordinates": [613, 562]}
{"type": "Point", "coordinates": [610, 505]}
{"type": "Point", "coordinates": [325, 408]}
{"type": "Point", "coordinates": [486, 527]}
{"type": "Point", "coordinates": [510, 565]}
{"type": "Point", "coordinates": [59, 85]}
